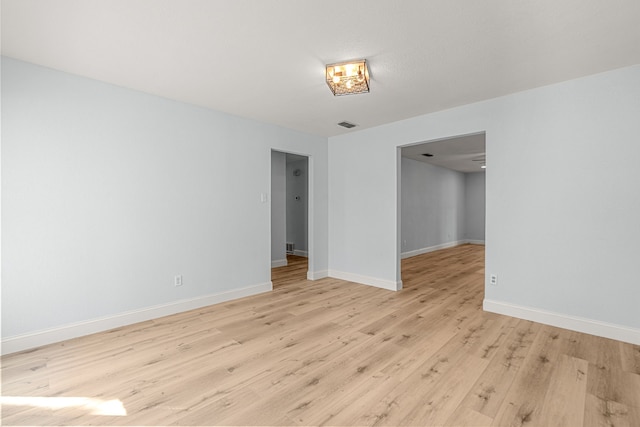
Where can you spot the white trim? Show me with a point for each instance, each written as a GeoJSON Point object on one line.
{"type": "Point", "coordinates": [74, 330]}
{"type": "Point", "coordinates": [432, 249]}
{"type": "Point", "coordinates": [278, 263]}
{"type": "Point", "coordinates": [301, 253]}
{"type": "Point", "coordinates": [317, 275]}
{"type": "Point", "coordinates": [364, 280]}
{"type": "Point", "coordinates": [474, 242]}
{"type": "Point", "coordinates": [574, 323]}
{"type": "Point", "coordinates": [417, 252]}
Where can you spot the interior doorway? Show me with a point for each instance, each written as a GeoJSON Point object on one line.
{"type": "Point", "coordinates": [441, 195]}
{"type": "Point", "coordinates": [290, 195]}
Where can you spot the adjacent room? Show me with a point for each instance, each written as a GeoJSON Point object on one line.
{"type": "Point", "coordinates": [289, 216]}
{"type": "Point", "coordinates": [275, 212]}
{"type": "Point", "coordinates": [443, 194]}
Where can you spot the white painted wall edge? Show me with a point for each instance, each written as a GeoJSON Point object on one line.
{"type": "Point", "coordinates": [364, 280]}
{"type": "Point", "coordinates": [579, 324]}
{"type": "Point", "coordinates": [75, 330]}
{"type": "Point", "coordinates": [301, 253]}
{"type": "Point", "coordinates": [279, 263]}
{"type": "Point", "coordinates": [421, 251]}
{"type": "Point", "coordinates": [317, 275]}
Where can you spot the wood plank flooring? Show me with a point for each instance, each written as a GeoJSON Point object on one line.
{"type": "Point", "coordinates": [331, 352]}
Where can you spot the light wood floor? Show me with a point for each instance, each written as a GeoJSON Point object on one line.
{"type": "Point", "coordinates": [332, 352]}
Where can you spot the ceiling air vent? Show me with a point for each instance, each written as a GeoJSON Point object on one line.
{"type": "Point", "coordinates": [347, 125]}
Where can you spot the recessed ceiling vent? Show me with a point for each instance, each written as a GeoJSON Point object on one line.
{"type": "Point", "coordinates": [428, 155]}
{"type": "Point", "coordinates": [347, 125]}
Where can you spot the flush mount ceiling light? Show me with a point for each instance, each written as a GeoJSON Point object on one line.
{"type": "Point", "coordinates": [348, 78]}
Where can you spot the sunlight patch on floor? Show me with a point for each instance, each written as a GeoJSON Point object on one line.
{"type": "Point", "coordinates": [94, 406]}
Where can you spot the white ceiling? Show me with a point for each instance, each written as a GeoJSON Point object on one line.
{"type": "Point", "coordinates": [463, 153]}
{"type": "Point", "coordinates": [264, 59]}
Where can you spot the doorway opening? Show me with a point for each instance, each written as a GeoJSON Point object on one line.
{"type": "Point", "coordinates": [441, 196]}
{"type": "Point", "coordinates": [290, 195]}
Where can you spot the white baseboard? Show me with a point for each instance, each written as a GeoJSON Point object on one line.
{"type": "Point", "coordinates": [301, 253]}
{"type": "Point", "coordinates": [74, 330]}
{"type": "Point", "coordinates": [421, 251]}
{"type": "Point", "coordinates": [364, 280]}
{"type": "Point", "coordinates": [565, 321]}
{"type": "Point", "coordinates": [278, 263]}
{"type": "Point", "coordinates": [474, 242]}
{"type": "Point", "coordinates": [317, 275]}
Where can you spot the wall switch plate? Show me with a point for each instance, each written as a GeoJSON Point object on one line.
{"type": "Point", "coordinates": [177, 281]}
{"type": "Point", "coordinates": [493, 279]}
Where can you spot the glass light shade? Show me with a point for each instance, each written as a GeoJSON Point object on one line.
{"type": "Point", "coordinates": [348, 78]}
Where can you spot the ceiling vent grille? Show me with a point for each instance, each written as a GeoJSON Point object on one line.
{"type": "Point", "coordinates": [347, 125]}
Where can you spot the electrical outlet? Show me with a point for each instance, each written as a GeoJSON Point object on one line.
{"type": "Point", "coordinates": [493, 279]}
{"type": "Point", "coordinates": [177, 281]}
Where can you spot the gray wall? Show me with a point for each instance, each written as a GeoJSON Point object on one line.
{"type": "Point", "coordinates": [109, 193]}
{"type": "Point", "coordinates": [297, 205]}
{"type": "Point", "coordinates": [433, 200]}
{"type": "Point", "coordinates": [562, 196]}
{"type": "Point", "coordinates": [278, 208]}
{"type": "Point", "coordinates": [474, 206]}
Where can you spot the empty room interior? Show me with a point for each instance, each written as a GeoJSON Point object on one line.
{"type": "Point", "coordinates": [320, 213]}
